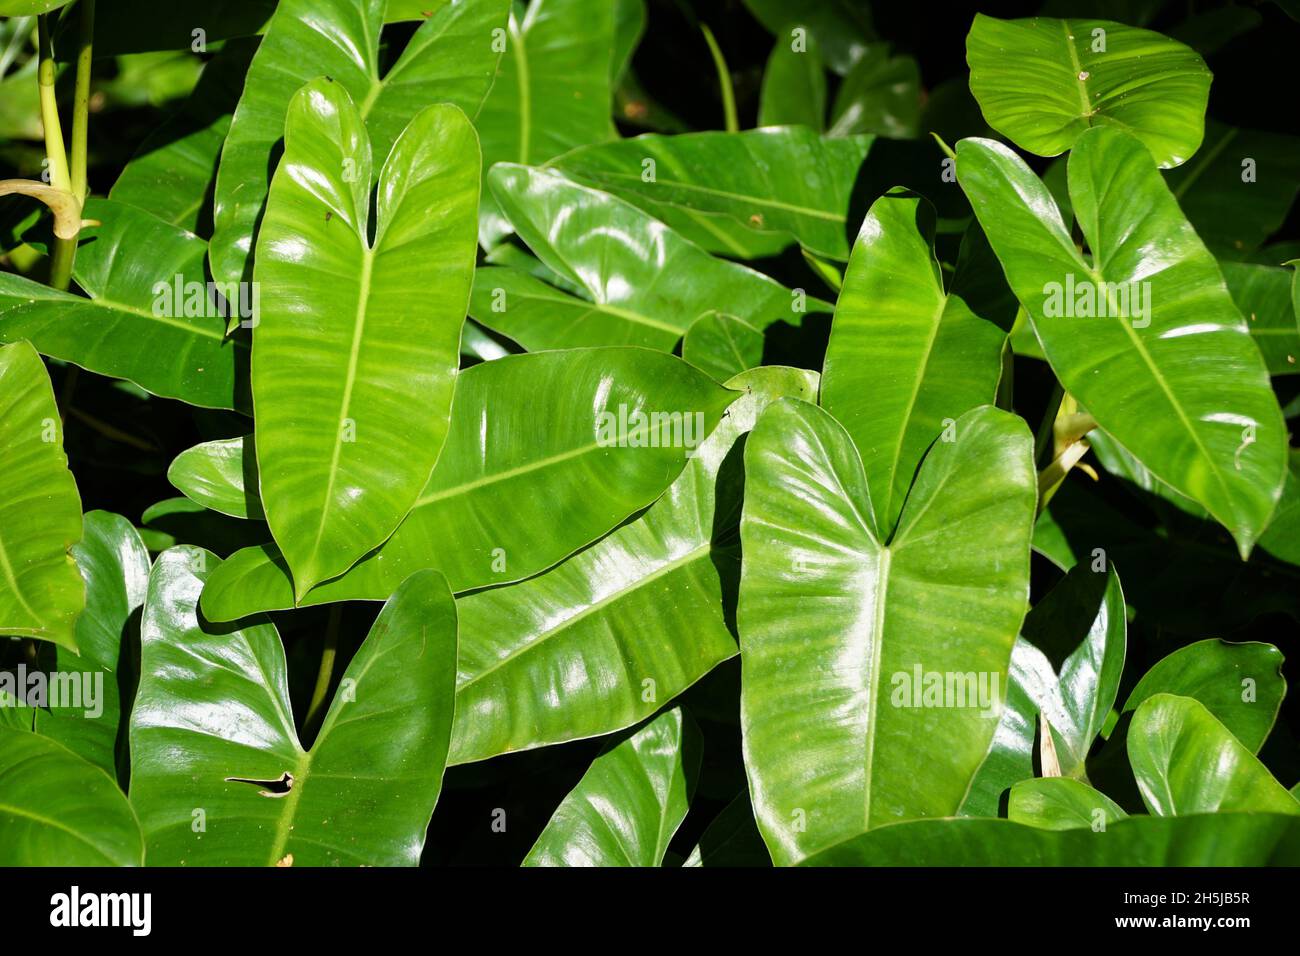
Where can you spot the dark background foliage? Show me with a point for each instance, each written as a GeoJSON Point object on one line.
{"type": "Point", "coordinates": [1181, 576]}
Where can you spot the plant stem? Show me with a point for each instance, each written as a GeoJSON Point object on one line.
{"type": "Point", "coordinates": [724, 80]}
{"type": "Point", "coordinates": [55, 153]}
{"type": "Point", "coordinates": [62, 251]}
{"type": "Point", "coordinates": [325, 675]}
{"type": "Point", "coordinates": [1043, 440]}
{"type": "Point", "coordinates": [81, 99]}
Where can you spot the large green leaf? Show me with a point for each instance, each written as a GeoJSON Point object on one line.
{"type": "Point", "coordinates": [356, 352]}
{"type": "Point", "coordinates": [526, 477]}
{"type": "Point", "coordinates": [41, 592]}
{"type": "Point", "coordinates": [838, 628]}
{"type": "Point", "coordinates": [115, 565]}
{"type": "Point", "coordinates": [1043, 82]}
{"type": "Point", "coordinates": [1238, 189]}
{"type": "Point", "coordinates": [1080, 626]}
{"type": "Point", "coordinates": [906, 358]}
{"type": "Point", "coordinates": [1177, 380]}
{"type": "Point", "coordinates": [627, 264]}
{"type": "Point", "coordinates": [1240, 684]}
{"type": "Point", "coordinates": [787, 179]}
{"type": "Point", "coordinates": [172, 173]}
{"type": "Point", "coordinates": [214, 705]}
{"type": "Point", "coordinates": [221, 475]}
{"type": "Point", "coordinates": [553, 89]}
{"type": "Point", "coordinates": [1061, 803]}
{"type": "Point", "coordinates": [449, 59]}
{"type": "Point", "coordinates": [59, 810]}
{"type": "Point", "coordinates": [1229, 839]}
{"type": "Point", "coordinates": [1263, 296]}
{"type": "Point", "coordinates": [1186, 762]}
{"type": "Point", "coordinates": [132, 266]}
{"type": "Point", "coordinates": [794, 85]}
{"type": "Point", "coordinates": [627, 806]}
{"type": "Point", "coordinates": [592, 646]}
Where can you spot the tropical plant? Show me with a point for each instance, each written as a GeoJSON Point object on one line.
{"type": "Point", "coordinates": [427, 437]}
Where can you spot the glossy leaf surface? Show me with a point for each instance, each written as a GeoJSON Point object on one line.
{"type": "Point", "coordinates": [1061, 803]}
{"type": "Point", "coordinates": [41, 592]}
{"type": "Point", "coordinates": [56, 808]}
{"type": "Point", "coordinates": [1240, 684]}
{"type": "Point", "coordinates": [1042, 82]}
{"type": "Point", "coordinates": [525, 443]}
{"type": "Point", "coordinates": [131, 267]}
{"type": "Point", "coordinates": [1187, 762]}
{"type": "Point", "coordinates": [115, 565]}
{"type": "Point", "coordinates": [355, 356]}
{"type": "Point", "coordinates": [626, 808]}
{"type": "Point", "coordinates": [1209, 425]}
{"type": "Point", "coordinates": [906, 357]}
{"type": "Point", "coordinates": [838, 630]}
{"type": "Point", "coordinates": [214, 705]}
{"type": "Point", "coordinates": [594, 645]}
{"type": "Point", "coordinates": [221, 475]}
{"type": "Point", "coordinates": [787, 179]}
{"type": "Point", "coordinates": [449, 59]}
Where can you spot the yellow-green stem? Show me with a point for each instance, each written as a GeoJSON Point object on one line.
{"type": "Point", "coordinates": [724, 80]}
{"type": "Point", "coordinates": [81, 99]}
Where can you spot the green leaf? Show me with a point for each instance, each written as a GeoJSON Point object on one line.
{"type": "Point", "coordinates": [214, 705]}
{"type": "Point", "coordinates": [624, 261]}
{"type": "Point", "coordinates": [1081, 628]}
{"type": "Point", "coordinates": [41, 592]}
{"type": "Point", "coordinates": [1179, 383]}
{"type": "Point", "coordinates": [794, 85]}
{"type": "Point", "coordinates": [1263, 296]}
{"type": "Point", "coordinates": [1241, 685]}
{"type": "Point", "coordinates": [172, 173]}
{"type": "Point", "coordinates": [627, 806]}
{"type": "Point", "coordinates": [27, 8]}
{"type": "Point", "coordinates": [830, 617]}
{"type": "Point", "coordinates": [629, 26]}
{"type": "Point", "coordinates": [1230, 839]}
{"type": "Point", "coordinates": [788, 179]}
{"type": "Point", "coordinates": [449, 59]}
{"type": "Point", "coordinates": [1281, 538]}
{"type": "Point", "coordinates": [134, 314]}
{"type": "Point", "coordinates": [906, 358]}
{"type": "Point", "coordinates": [59, 810]}
{"type": "Point", "coordinates": [115, 566]}
{"type": "Point", "coordinates": [178, 520]}
{"type": "Point", "coordinates": [355, 334]}
{"type": "Point", "coordinates": [1234, 204]}
{"type": "Point", "coordinates": [881, 95]}
{"type": "Point", "coordinates": [1061, 803]}
{"type": "Point", "coordinates": [603, 614]}
{"type": "Point", "coordinates": [524, 479]}
{"type": "Point", "coordinates": [1043, 82]}
{"type": "Point", "coordinates": [221, 475]}
{"type": "Point", "coordinates": [1187, 762]}
{"type": "Point", "coordinates": [722, 345]}
{"type": "Point", "coordinates": [553, 92]}
{"type": "Point", "coordinates": [841, 28]}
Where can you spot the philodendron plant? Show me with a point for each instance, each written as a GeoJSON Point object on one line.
{"type": "Point", "coordinates": [904, 480]}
